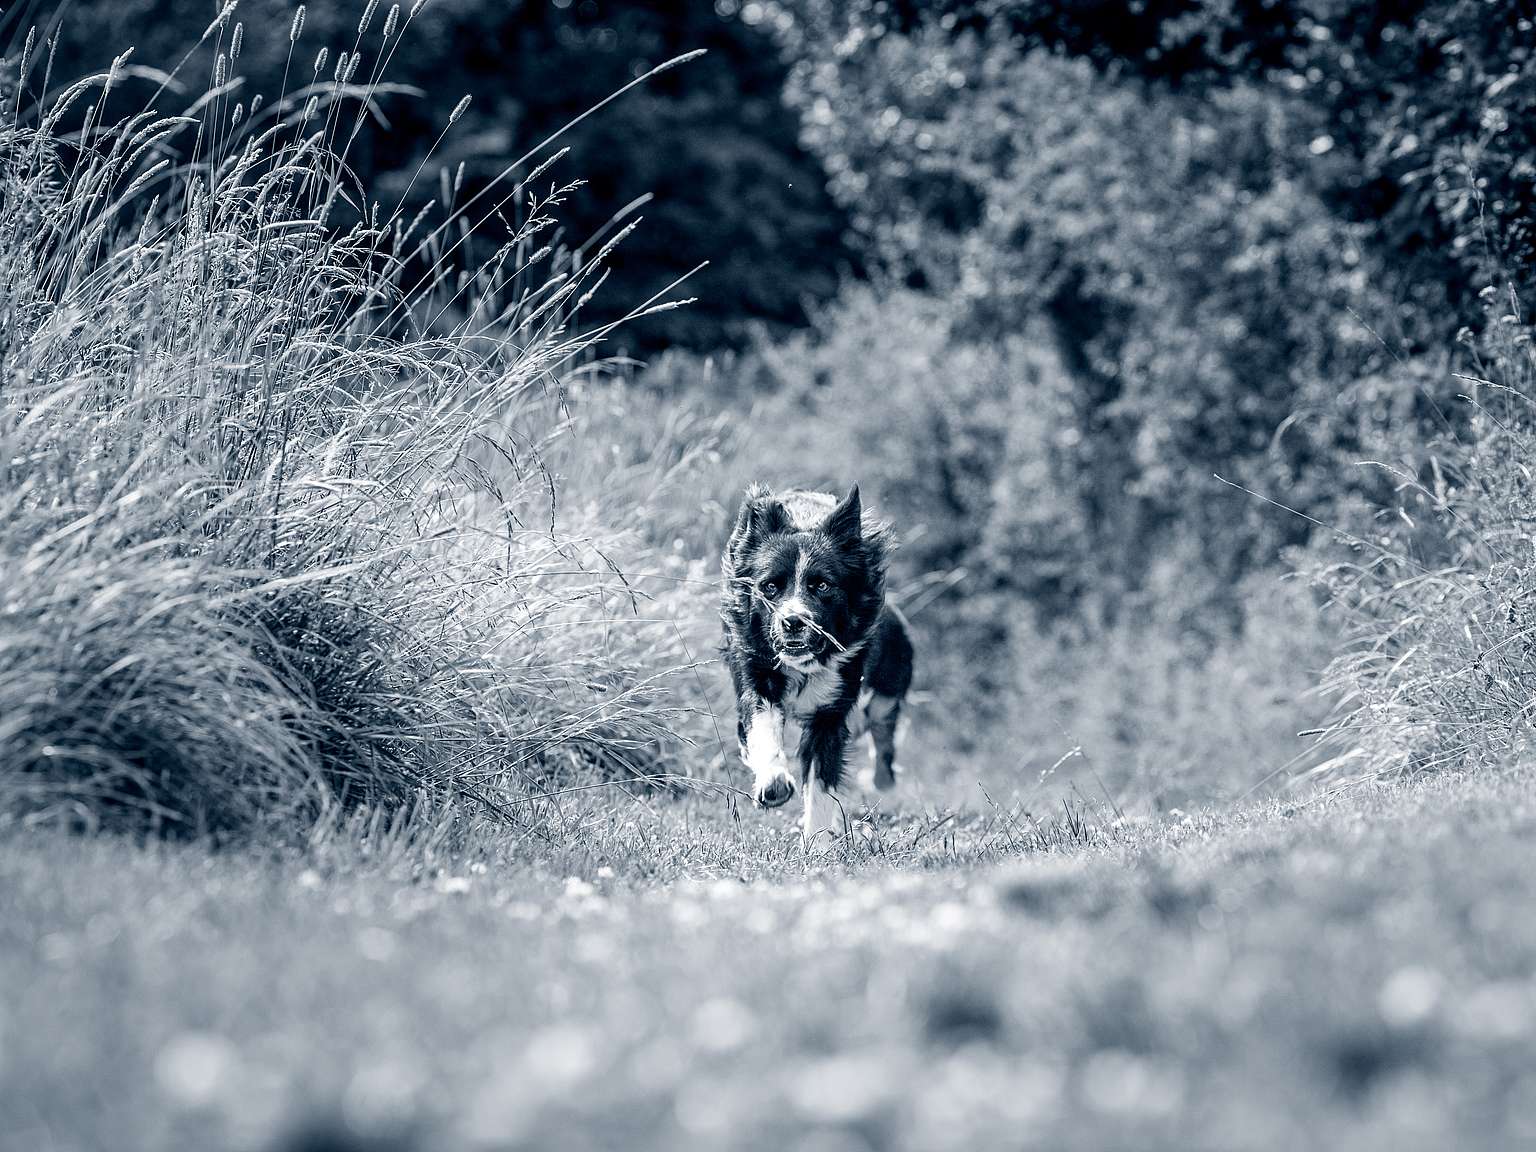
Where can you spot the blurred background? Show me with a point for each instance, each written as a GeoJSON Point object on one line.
{"type": "Point", "coordinates": [1082, 291]}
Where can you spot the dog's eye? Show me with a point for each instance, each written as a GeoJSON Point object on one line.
{"type": "Point", "coordinates": [770, 588]}
{"type": "Point", "coordinates": [820, 587]}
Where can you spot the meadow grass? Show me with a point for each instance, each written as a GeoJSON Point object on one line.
{"type": "Point", "coordinates": [275, 522]}
{"type": "Point", "coordinates": [1351, 970]}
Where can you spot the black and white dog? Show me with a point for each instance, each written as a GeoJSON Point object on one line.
{"type": "Point", "coordinates": [810, 640]}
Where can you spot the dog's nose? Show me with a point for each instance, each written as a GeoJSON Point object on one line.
{"type": "Point", "coordinates": [793, 625]}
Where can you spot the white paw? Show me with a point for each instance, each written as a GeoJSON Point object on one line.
{"type": "Point", "coordinates": [825, 822]}
{"type": "Point", "coordinates": [773, 789]}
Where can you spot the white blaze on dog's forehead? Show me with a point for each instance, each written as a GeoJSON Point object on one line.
{"type": "Point", "coordinates": [802, 562]}
{"type": "Point", "coordinates": [794, 604]}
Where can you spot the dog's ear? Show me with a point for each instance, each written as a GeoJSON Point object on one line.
{"type": "Point", "coordinates": [768, 517]}
{"type": "Point", "coordinates": [760, 515]}
{"type": "Point", "coordinates": [846, 522]}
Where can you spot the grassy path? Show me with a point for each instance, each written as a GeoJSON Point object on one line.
{"type": "Point", "coordinates": [1358, 972]}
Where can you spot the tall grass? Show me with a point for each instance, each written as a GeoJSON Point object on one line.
{"type": "Point", "coordinates": [275, 532]}
{"type": "Point", "coordinates": [1439, 663]}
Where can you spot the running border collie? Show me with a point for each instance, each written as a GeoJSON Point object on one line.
{"type": "Point", "coordinates": [811, 641]}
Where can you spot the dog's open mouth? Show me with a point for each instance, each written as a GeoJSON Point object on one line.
{"type": "Point", "coordinates": [797, 652]}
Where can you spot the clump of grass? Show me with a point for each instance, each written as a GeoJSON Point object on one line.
{"type": "Point", "coordinates": [255, 563]}
{"type": "Point", "coordinates": [1439, 668]}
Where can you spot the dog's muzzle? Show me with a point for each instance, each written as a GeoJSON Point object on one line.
{"type": "Point", "coordinates": [795, 639]}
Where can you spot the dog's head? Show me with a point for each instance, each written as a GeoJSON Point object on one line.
{"type": "Point", "coordinates": [805, 572]}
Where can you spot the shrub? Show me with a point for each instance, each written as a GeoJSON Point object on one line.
{"type": "Point", "coordinates": [1439, 665]}
{"type": "Point", "coordinates": [1178, 251]}
{"type": "Point", "coordinates": [254, 561]}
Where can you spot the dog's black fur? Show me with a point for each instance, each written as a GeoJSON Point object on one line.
{"type": "Point", "coordinates": [807, 629]}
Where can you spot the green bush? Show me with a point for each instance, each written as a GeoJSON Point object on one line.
{"type": "Point", "coordinates": [1169, 252]}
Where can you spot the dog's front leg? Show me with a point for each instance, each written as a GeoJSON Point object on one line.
{"type": "Point", "coordinates": [761, 728]}
{"type": "Point", "coordinates": [823, 746]}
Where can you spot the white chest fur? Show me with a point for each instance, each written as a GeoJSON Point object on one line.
{"type": "Point", "coordinates": [807, 693]}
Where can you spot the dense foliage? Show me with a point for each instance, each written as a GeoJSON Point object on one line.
{"type": "Point", "coordinates": [1245, 232]}
{"type": "Point", "coordinates": [711, 143]}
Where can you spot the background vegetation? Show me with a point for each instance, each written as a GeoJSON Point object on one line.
{"type": "Point", "coordinates": [707, 155]}
{"type": "Point", "coordinates": [1122, 313]}
{"type": "Point", "coordinates": [343, 540]}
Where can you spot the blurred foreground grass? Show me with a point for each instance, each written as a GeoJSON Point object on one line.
{"type": "Point", "coordinates": [1355, 971]}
